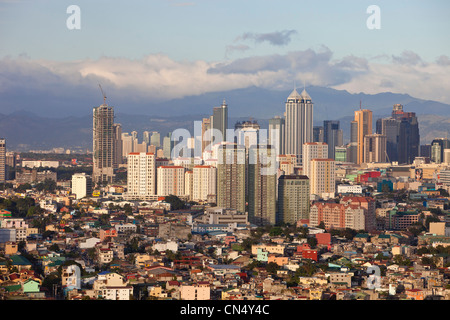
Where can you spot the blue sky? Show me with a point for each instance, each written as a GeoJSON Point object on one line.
{"type": "Point", "coordinates": [205, 29]}
{"type": "Point", "coordinates": [163, 49]}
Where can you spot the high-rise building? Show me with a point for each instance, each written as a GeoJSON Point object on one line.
{"type": "Point", "coordinates": [220, 119]}
{"type": "Point", "coordinates": [438, 146]}
{"type": "Point", "coordinates": [317, 134]}
{"type": "Point", "coordinates": [168, 145]}
{"type": "Point", "coordinates": [103, 144]}
{"type": "Point", "coordinates": [118, 159]}
{"type": "Point", "coordinates": [408, 134]}
{"type": "Point", "coordinates": [262, 185]}
{"type": "Point", "coordinates": [313, 150]}
{"type": "Point", "coordinates": [363, 118]}
{"type": "Point", "coordinates": [247, 133]}
{"type": "Point", "coordinates": [204, 182]}
{"type": "Point", "coordinates": [206, 133]}
{"type": "Point", "coordinates": [323, 178]}
{"type": "Point", "coordinates": [276, 134]}
{"type": "Point", "coordinates": [332, 135]}
{"type": "Point", "coordinates": [389, 127]}
{"type": "Point", "coordinates": [155, 139]}
{"type": "Point", "coordinates": [2, 160]}
{"type": "Point", "coordinates": [141, 176]}
{"type": "Point", "coordinates": [298, 123]}
{"type": "Point", "coordinates": [293, 198]}
{"type": "Point", "coordinates": [231, 177]}
{"type": "Point", "coordinates": [374, 148]}
{"type": "Point", "coordinates": [81, 185]}
{"type": "Point", "coordinates": [170, 181]}
{"type": "Point", "coordinates": [146, 137]}
{"type": "Point", "coordinates": [127, 144]}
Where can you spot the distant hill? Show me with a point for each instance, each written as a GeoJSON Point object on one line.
{"type": "Point", "coordinates": [24, 130]}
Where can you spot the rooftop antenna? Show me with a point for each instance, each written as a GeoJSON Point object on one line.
{"type": "Point", "coordinates": [104, 97]}
{"type": "Point", "coordinates": [359, 104]}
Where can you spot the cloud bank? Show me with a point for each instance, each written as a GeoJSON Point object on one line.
{"type": "Point", "coordinates": [157, 77]}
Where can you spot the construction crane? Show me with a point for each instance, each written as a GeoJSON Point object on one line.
{"type": "Point", "coordinates": [104, 97]}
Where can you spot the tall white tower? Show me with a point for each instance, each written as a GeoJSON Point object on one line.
{"type": "Point", "coordinates": [299, 123]}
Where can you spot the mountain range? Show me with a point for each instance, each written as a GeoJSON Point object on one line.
{"type": "Point", "coordinates": [26, 130]}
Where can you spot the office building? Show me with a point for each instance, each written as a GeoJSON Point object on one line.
{"type": "Point", "coordinates": [168, 145]}
{"type": "Point", "coordinates": [2, 160]}
{"type": "Point", "coordinates": [317, 134]}
{"type": "Point", "coordinates": [438, 146]}
{"type": "Point", "coordinates": [374, 148]}
{"type": "Point", "coordinates": [231, 168]}
{"type": "Point", "coordinates": [103, 144]}
{"type": "Point", "coordinates": [298, 123]}
{"type": "Point", "coordinates": [220, 119]}
{"type": "Point", "coordinates": [276, 134]}
{"type": "Point", "coordinates": [118, 158]}
{"type": "Point", "coordinates": [155, 139]}
{"type": "Point", "coordinates": [332, 135]}
{"type": "Point", "coordinates": [363, 118]}
{"type": "Point", "coordinates": [262, 185]}
{"type": "Point", "coordinates": [293, 198]}
{"type": "Point", "coordinates": [408, 135]}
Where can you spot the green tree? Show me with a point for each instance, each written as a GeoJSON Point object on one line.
{"type": "Point", "coordinates": [175, 202]}
{"type": "Point", "coordinates": [272, 268]}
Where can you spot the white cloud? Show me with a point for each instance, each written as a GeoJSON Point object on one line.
{"type": "Point", "coordinates": [157, 77]}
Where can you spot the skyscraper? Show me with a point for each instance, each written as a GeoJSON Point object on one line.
{"type": "Point", "coordinates": [402, 135]}
{"type": "Point", "coordinates": [220, 119]}
{"type": "Point", "coordinates": [374, 148]}
{"type": "Point", "coordinates": [118, 159]}
{"type": "Point", "coordinates": [389, 127]}
{"type": "Point", "coordinates": [168, 146]}
{"type": "Point", "coordinates": [332, 135]}
{"type": "Point", "coordinates": [2, 160]}
{"type": "Point", "coordinates": [293, 198]}
{"type": "Point", "coordinates": [363, 118]}
{"type": "Point", "coordinates": [247, 133]}
{"type": "Point", "coordinates": [408, 134]}
{"type": "Point", "coordinates": [103, 144]}
{"type": "Point", "coordinates": [206, 133]}
{"type": "Point", "coordinates": [438, 146]}
{"type": "Point", "coordinates": [155, 139]}
{"type": "Point", "coordinates": [298, 123]}
{"type": "Point", "coordinates": [262, 184]}
{"type": "Point", "coordinates": [276, 134]}
{"type": "Point", "coordinates": [317, 134]}
{"type": "Point", "coordinates": [231, 177]}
